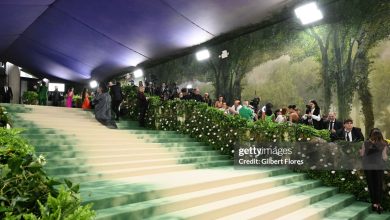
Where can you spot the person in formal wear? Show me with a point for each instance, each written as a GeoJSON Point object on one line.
{"type": "Point", "coordinates": [143, 106]}
{"type": "Point", "coordinates": [313, 115]}
{"type": "Point", "coordinates": [69, 97]}
{"type": "Point", "coordinates": [102, 103]}
{"type": "Point", "coordinates": [85, 99]}
{"type": "Point", "coordinates": [117, 98]}
{"type": "Point", "coordinates": [56, 97]}
{"type": "Point", "coordinates": [332, 124]}
{"type": "Point", "coordinates": [6, 94]}
{"type": "Point", "coordinates": [207, 99]}
{"type": "Point", "coordinates": [42, 93]}
{"type": "Point", "coordinates": [374, 154]}
{"type": "Point", "coordinates": [348, 133]}
{"type": "Point", "coordinates": [197, 96]}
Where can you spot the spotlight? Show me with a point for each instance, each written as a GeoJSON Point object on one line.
{"type": "Point", "coordinates": [138, 73]}
{"type": "Point", "coordinates": [202, 55]}
{"type": "Point", "coordinates": [308, 13]}
{"type": "Point", "coordinates": [93, 84]}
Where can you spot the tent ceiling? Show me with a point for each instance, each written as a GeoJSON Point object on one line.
{"type": "Point", "coordinates": [76, 40]}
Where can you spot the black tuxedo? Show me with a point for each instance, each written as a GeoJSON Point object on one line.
{"type": "Point", "coordinates": [357, 135]}
{"type": "Point", "coordinates": [6, 96]}
{"type": "Point", "coordinates": [337, 125]}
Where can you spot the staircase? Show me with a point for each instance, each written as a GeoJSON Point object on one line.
{"type": "Point", "coordinates": [135, 173]}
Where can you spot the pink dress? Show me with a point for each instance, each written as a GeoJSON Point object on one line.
{"type": "Point", "coordinates": [69, 100]}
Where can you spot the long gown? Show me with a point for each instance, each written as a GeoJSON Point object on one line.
{"type": "Point", "coordinates": [69, 100]}
{"type": "Point", "coordinates": [86, 103]}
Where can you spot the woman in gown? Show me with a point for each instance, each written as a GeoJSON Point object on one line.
{"type": "Point", "coordinates": [85, 97]}
{"type": "Point", "coordinates": [69, 98]}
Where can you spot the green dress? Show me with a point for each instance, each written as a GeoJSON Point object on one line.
{"type": "Point", "coordinates": [42, 95]}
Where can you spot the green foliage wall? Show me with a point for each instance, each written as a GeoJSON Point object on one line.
{"type": "Point", "coordinates": [329, 62]}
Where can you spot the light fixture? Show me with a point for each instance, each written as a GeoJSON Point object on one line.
{"type": "Point", "coordinates": [308, 13]}
{"type": "Point", "coordinates": [138, 73]}
{"type": "Point", "coordinates": [45, 80]}
{"type": "Point", "coordinates": [189, 86]}
{"type": "Point", "coordinates": [93, 84]}
{"type": "Point", "coordinates": [202, 55]}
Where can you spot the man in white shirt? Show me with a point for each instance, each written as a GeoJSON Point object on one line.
{"type": "Point", "coordinates": [235, 109]}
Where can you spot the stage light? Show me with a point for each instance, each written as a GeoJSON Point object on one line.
{"type": "Point", "coordinates": [138, 73]}
{"type": "Point", "coordinates": [202, 55]}
{"type": "Point", "coordinates": [93, 84]}
{"type": "Point", "coordinates": [308, 13]}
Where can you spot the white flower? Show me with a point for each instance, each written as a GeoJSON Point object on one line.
{"type": "Point", "coordinates": [274, 136]}
{"type": "Point", "coordinates": [361, 177]}
{"type": "Point", "coordinates": [251, 139]}
{"type": "Point", "coordinates": [41, 160]}
{"type": "Point", "coordinates": [231, 130]}
{"type": "Point", "coordinates": [274, 140]}
{"type": "Point", "coordinates": [385, 172]}
{"type": "Point", "coordinates": [230, 141]}
{"type": "Point", "coordinates": [299, 139]}
{"type": "Point", "coordinates": [342, 179]}
{"type": "Point", "coordinates": [388, 184]}
{"type": "Point", "coordinates": [308, 139]}
{"type": "Point", "coordinates": [235, 133]}
{"type": "Point", "coordinates": [226, 135]}
{"type": "Point", "coordinates": [208, 133]}
{"type": "Point", "coordinates": [200, 135]}
{"type": "Point", "coordinates": [321, 160]}
{"type": "Point", "coordinates": [214, 133]}
{"type": "Point", "coordinates": [232, 151]}
{"type": "Point", "coordinates": [333, 172]}
{"type": "Point", "coordinates": [221, 148]}
{"type": "Point", "coordinates": [227, 145]}
{"type": "Point", "coordinates": [353, 172]}
{"type": "Point", "coordinates": [365, 188]}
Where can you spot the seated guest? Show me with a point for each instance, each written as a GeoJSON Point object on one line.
{"type": "Point", "coordinates": [348, 133]}
{"type": "Point", "coordinates": [197, 96]}
{"type": "Point", "coordinates": [246, 112]}
{"type": "Point", "coordinates": [293, 116]}
{"type": "Point", "coordinates": [332, 124]}
{"type": "Point", "coordinates": [281, 115]}
{"type": "Point", "coordinates": [219, 102]}
{"type": "Point", "coordinates": [225, 108]}
{"type": "Point", "coordinates": [234, 110]}
{"type": "Point", "coordinates": [207, 99]}
{"type": "Point", "coordinates": [186, 95]}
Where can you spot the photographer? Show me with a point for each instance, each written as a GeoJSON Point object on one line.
{"type": "Point", "coordinates": [255, 103]}
{"type": "Point", "coordinates": [312, 115]}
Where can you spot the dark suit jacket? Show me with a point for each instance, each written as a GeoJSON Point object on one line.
{"type": "Point", "coordinates": [336, 126]}
{"type": "Point", "coordinates": [116, 93]}
{"type": "Point", "coordinates": [357, 135]}
{"type": "Point", "coordinates": [6, 97]}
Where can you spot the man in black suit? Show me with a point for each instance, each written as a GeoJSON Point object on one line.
{"type": "Point", "coordinates": [6, 94]}
{"type": "Point", "coordinates": [349, 133]}
{"type": "Point", "coordinates": [332, 124]}
{"type": "Point", "coordinates": [117, 97]}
